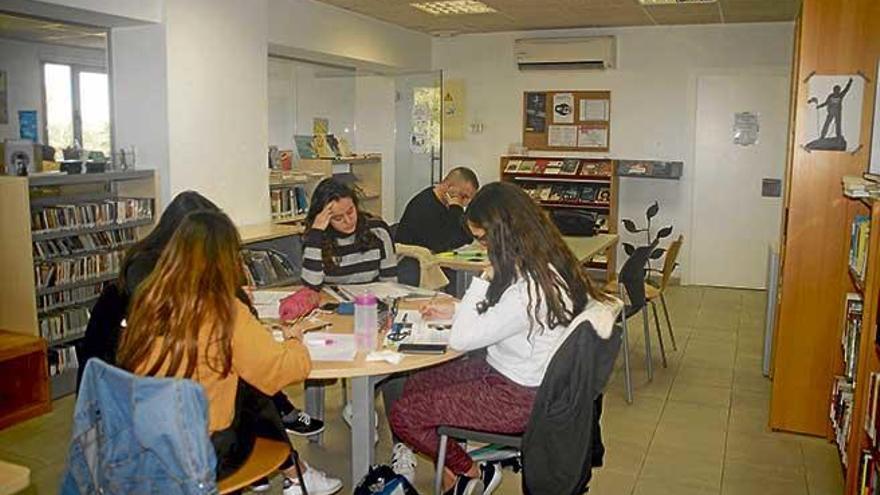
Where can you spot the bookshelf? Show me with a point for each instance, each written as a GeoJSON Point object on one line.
{"type": "Point", "coordinates": [63, 241]}
{"type": "Point", "coordinates": [570, 183]}
{"type": "Point", "coordinates": [853, 409]}
{"type": "Point", "coordinates": [364, 173]}
{"type": "Point", "coordinates": [289, 194]}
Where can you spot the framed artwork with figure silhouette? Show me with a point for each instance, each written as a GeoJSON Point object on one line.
{"type": "Point", "coordinates": [834, 104]}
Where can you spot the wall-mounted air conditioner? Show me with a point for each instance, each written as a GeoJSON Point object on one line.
{"type": "Point", "coordinates": [595, 52]}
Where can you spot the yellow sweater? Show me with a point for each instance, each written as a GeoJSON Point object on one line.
{"type": "Point", "coordinates": [256, 357]}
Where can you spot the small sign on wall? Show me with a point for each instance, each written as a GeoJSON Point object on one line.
{"type": "Point", "coordinates": [745, 128]}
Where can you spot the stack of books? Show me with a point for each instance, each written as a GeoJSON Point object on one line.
{"type": "Point", "coordinates": [841, 414]}
{"type": "Point", "coordinates": [858, 187]}
{"type": "Point", "coordinates": [851, 335]}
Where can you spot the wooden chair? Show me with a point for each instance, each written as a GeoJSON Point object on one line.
{"type": "Point", "coordinates": [263, 461]}
{"type": "Point", "coordinates": [654, 292]}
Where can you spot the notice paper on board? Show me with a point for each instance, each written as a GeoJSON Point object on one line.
{"type": "Point", "coordinates": [592, 137]}
{"type": "Point", "coordinates": [593, 110]}
{"type": "Point", "coordinates": [563, 108]}
{"type": "Point", "coordinates": [562, 136]}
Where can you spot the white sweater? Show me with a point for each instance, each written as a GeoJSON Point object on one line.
{"type": "Point", "coordinates": [504, 330]}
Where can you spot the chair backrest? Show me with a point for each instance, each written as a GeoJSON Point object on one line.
{"type": "Point", "coordinates": [632, 278]}
{"type": "Point", "coordinates": [129, 428]}
{"type": "Point", "coordinates": [393, 230]}
{"type": "Point", "coordinates": [669, 263]}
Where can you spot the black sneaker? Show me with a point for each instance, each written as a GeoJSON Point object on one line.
{"type": "Point", "coordinates": [490, 475]}
{"type": "Point", "coordinates": [300, 423]}
{"type": "Point", "coordinates": [261, 485]}
{"type": "Point", "coordinates": [466, 486]}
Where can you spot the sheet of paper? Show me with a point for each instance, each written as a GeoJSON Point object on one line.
{"type": "Point", "coordinates": [324, 346]}
{"type": "Point", "coordinates": [563, 108]}
{"type": "Point", "coordinates": [386, 290]}
{"type": "Point", "coordinates": [423, 331]}
{"type": "Point", "coordinates": [562, 136]}
{"type": "Point", "coordinates": [593, 109]}
{"type": "Point", "coordinates": [592, 137]}
{"type": "Point", "coordinates": [266, 302]}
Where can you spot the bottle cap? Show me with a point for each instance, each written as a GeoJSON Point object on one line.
{"type": "Point", "coordinates": [365, 300]}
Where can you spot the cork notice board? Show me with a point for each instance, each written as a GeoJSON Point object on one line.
{"type": "Point", "coordinates": [567, 120]}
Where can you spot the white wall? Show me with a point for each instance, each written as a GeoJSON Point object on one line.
{"type": "Point", "coordinates": [375, 131]}
{"type": "Point", "coordinates": [140, 98]}
{"type": "Point", "coordinates": [22, 62]}
{"type": "Point", "coordinates": [217, 103]}
{"type": "Point", "coordinates": [299, 92]}
{"type": "Point", "coordinates": [652, 92]}
{"type": "Point", "coordinates": [307, 27]}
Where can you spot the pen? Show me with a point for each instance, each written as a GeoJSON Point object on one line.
{"type": "Point", "coordinates": [322, 342]}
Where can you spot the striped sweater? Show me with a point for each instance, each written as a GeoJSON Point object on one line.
{"type": "Point", "coordinates": [352, 265]}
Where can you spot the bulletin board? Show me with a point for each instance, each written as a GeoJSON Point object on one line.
{"type": "Point", "coordinates": [567, 120]}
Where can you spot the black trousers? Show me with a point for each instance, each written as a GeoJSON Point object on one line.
{"type": "Point", "coordinates": [256, 415]}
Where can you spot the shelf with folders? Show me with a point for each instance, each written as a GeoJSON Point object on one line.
{"type": "Point", "coordinates": [64, 238]}
{"type": "Point", "coordinates": [570, 183]}
{"type": "Point", "coordinates": [853, 404]}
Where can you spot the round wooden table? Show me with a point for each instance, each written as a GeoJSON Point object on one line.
{"type": "Point", "coordinates": [363, 376]}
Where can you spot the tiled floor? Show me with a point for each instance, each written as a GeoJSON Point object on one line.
{"type": "Point", "coordinates": [698, 428]}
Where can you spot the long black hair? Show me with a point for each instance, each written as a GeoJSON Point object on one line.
{"type": "Point", "coordinates": [329, 190]}
{"type": "Point", "coordinates": [524, 243]}
{"type": "Point", "coordinates": [148, 249]}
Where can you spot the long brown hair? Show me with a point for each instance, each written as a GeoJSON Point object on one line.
{"type": "Point", "coordinates": [191, 290]}
{"type": "Point", "coordinates": [328, 190]}
{"type": "Point", "coordinates": [524, 243]}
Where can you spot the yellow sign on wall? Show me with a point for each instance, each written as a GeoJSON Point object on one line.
{"type": "Point", "coordinates": [453, 110]}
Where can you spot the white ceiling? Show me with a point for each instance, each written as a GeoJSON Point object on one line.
{"type": "Point", "coordinates": [516, 15]}
{"type": "Point", "coordinates": [41, 31]}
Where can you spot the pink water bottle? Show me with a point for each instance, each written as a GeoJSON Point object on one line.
{"type": "Point", "coordinates": [366, 322]}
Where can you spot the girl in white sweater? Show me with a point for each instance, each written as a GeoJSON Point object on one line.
{"type": "Point", "coordinates": [518, 310]}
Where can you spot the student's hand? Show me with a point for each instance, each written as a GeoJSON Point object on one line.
{"type": "Point", "coordinates": [293, 333]}
{"type": "Point", "coordinates": [453, 199]}
{"type": "Point", "coordinates": [488, 273]}
{"type": "Point", "coordinates": [438, 310]}
{"type": "Point", "coordinates": [323, 219]}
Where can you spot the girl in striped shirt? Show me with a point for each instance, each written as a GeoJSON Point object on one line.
{"type": "Point", "coordinates": [344, 245]}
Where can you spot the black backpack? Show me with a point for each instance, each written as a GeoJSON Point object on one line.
{"type": "Point", "coordinates": [382, 480]}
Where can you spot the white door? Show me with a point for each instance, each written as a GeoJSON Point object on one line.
{"type": "Point", "coordinates": [733, 223]}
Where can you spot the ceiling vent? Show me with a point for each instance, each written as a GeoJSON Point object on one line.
{"type": "Point", "coordinates": [589, 53]}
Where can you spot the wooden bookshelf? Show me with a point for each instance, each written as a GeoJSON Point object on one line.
{"type": "Point", "coordinates": [24, 388]}
{"type": "Point", "coordinates": [607, 179]}
{"type": "Point", "coordinates": [20, 294]}
{"type": "Point", "coordinates": [365, 174]}
{"type": "Point", "coordinates": [868, 360]}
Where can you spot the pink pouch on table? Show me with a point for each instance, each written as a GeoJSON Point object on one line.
{"type": "Point", "coordinates": [300, 303]}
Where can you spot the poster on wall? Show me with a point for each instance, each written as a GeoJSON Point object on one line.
{"type": "Point", "coordinates": [745, 128]}
{"type": "Point", "coordinates": [4, 104]}
{"type": "Point", "coordinates": [562, 136]}
{"type": "Point", "coordinates": [874, 165]}
{"type": "Point", "coordinates": [834, 106]}
{"type": "Point", "coordinates": [563, 108]}
{"type": "Point", "coordinates": [27, 125]}
{"type": "Point", "coordinates": [536, 112]}
{"type": "Point", "coordinates": [425, 133]}
{"type": "Point", "coordinates": [453, 110]}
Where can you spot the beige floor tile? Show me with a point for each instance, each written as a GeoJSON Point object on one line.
{"type": "Point", "coordinates": [610, 482]}
{"type": "Point", "coordinates": [779, 450]}
{"type": "Point", "coordinates": [749, 479]}
{"type": "Point", "coordinates": [672, 486]}
{"type": "Point", "coordinates": [700, 394]}
{"type": "Point", "coordinates": [751, 380]}
{"type": "Point", "coordinates": [721, 360]}
{"type": "Point", "coordinates": [749, 420]}
{"type": "Point", "coordinates": [698, 439]}
{"type": "Point", "coordinates": [685, 414]}
{"type": "Point", "coordinates": [623, 456]}
{"type": "Point", "coordinates": [750, 399]}
{"type": "Point", "coordinates": [713, 377]}
{"type": "Point", "coordinates": [674, 464]}
{"type": "Point", "coordinates": [748, 361]}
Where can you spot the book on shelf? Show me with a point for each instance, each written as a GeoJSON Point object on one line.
{"type": "Point", "coordinates": [603, 195]}
{"type": "Point", "coordinates": [526, 167]}
{"type": "Point", "coordinates": [544, 192]}
{"type": "Point", "coordinates": [541, 166]}
{"type": "Point", "coordinates": [66, 324]}
{"type": "Point", "coordinates": [859, 187]}
{"type": "Point", "coordinates": [512, 166]}
{"type": "Point", "coordinates": [841, 414]}
{"type": "Point", "coordinates": [304, 148]}
{"type": "Point", "coordinates": [62, 359]}
{"type": "Point", "coordinates": [69, 297]}
{"type": "Point", "coordinates": [570, 166]}
{"type": "Point", "coordinates": [869, 474]}
{"type": "Point", "coordinates": [70, 270]}
{"type": "Point", "coordinates": [858, 246]}
{"type": "Point", "coordinates": [267, 266]}
{"type": "Point", "coordinates": [83, 243]}
{"type": "Point", "coordinates": [553, 167]}
{"type": "Point", "coordinates": [851, 335]}
{"type": "Point", "coordinates": [871, 418]}
{"type": "Point", "coordinates": [571, 193]}
{"type": "Point", "coordinates": [288, 201]}
{"type": "Point", "coordinates": [92, 214]}
{"type": "Point", "coordinates": [588, 194]}
{"type": "Point", "coordinates": [599, 169]}
{"type": "Point", "coordinates": [556, 191]}
{"type": "Point", "coordinates": [602, 222]}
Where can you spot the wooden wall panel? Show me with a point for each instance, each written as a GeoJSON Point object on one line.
{"type": "Point", "coordinates": [835, 38]}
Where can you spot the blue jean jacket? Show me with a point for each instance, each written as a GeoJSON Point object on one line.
{"type": "Point", "coordinates": [139, 435]}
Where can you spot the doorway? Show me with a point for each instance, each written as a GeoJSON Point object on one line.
{"type": "Point", "coordinates": [740, 142]}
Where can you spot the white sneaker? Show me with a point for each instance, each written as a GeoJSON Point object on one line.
{"type": "Point", "coordinates": [403, 461]}
{"type": "Point", "coordinates": [348, 415]}
{"type": "Point", "coordinates": [317, 483]}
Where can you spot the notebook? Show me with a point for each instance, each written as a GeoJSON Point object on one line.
{"type": "Point", "coordinates": [421, 331]}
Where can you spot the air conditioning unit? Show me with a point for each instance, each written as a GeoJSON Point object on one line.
{"type": "Point", "coordinates": [595, 52]}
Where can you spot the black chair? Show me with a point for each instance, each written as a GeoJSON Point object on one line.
{"type": "Point", "coordinates": [630, 288]}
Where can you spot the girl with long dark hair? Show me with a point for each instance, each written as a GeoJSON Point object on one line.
{"type": "Point", "coordinates": [343, 244]}
{"type": "Point", "coordinates": [186, 321]}
{"type": "Point", "coordinates": [517, 311]}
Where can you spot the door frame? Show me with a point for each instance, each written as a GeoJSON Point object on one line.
{"type": "Point", "coordinates": [687, 275]}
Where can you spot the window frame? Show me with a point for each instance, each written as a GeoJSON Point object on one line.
{"type": "Point", "coordinates": [76, 68]}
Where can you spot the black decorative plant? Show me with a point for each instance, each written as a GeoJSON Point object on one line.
{"type": "Point", "coordinates": [631, 227]}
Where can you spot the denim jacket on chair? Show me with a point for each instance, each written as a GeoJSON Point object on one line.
{"type": "Point", "coordinates": [139, 435]}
